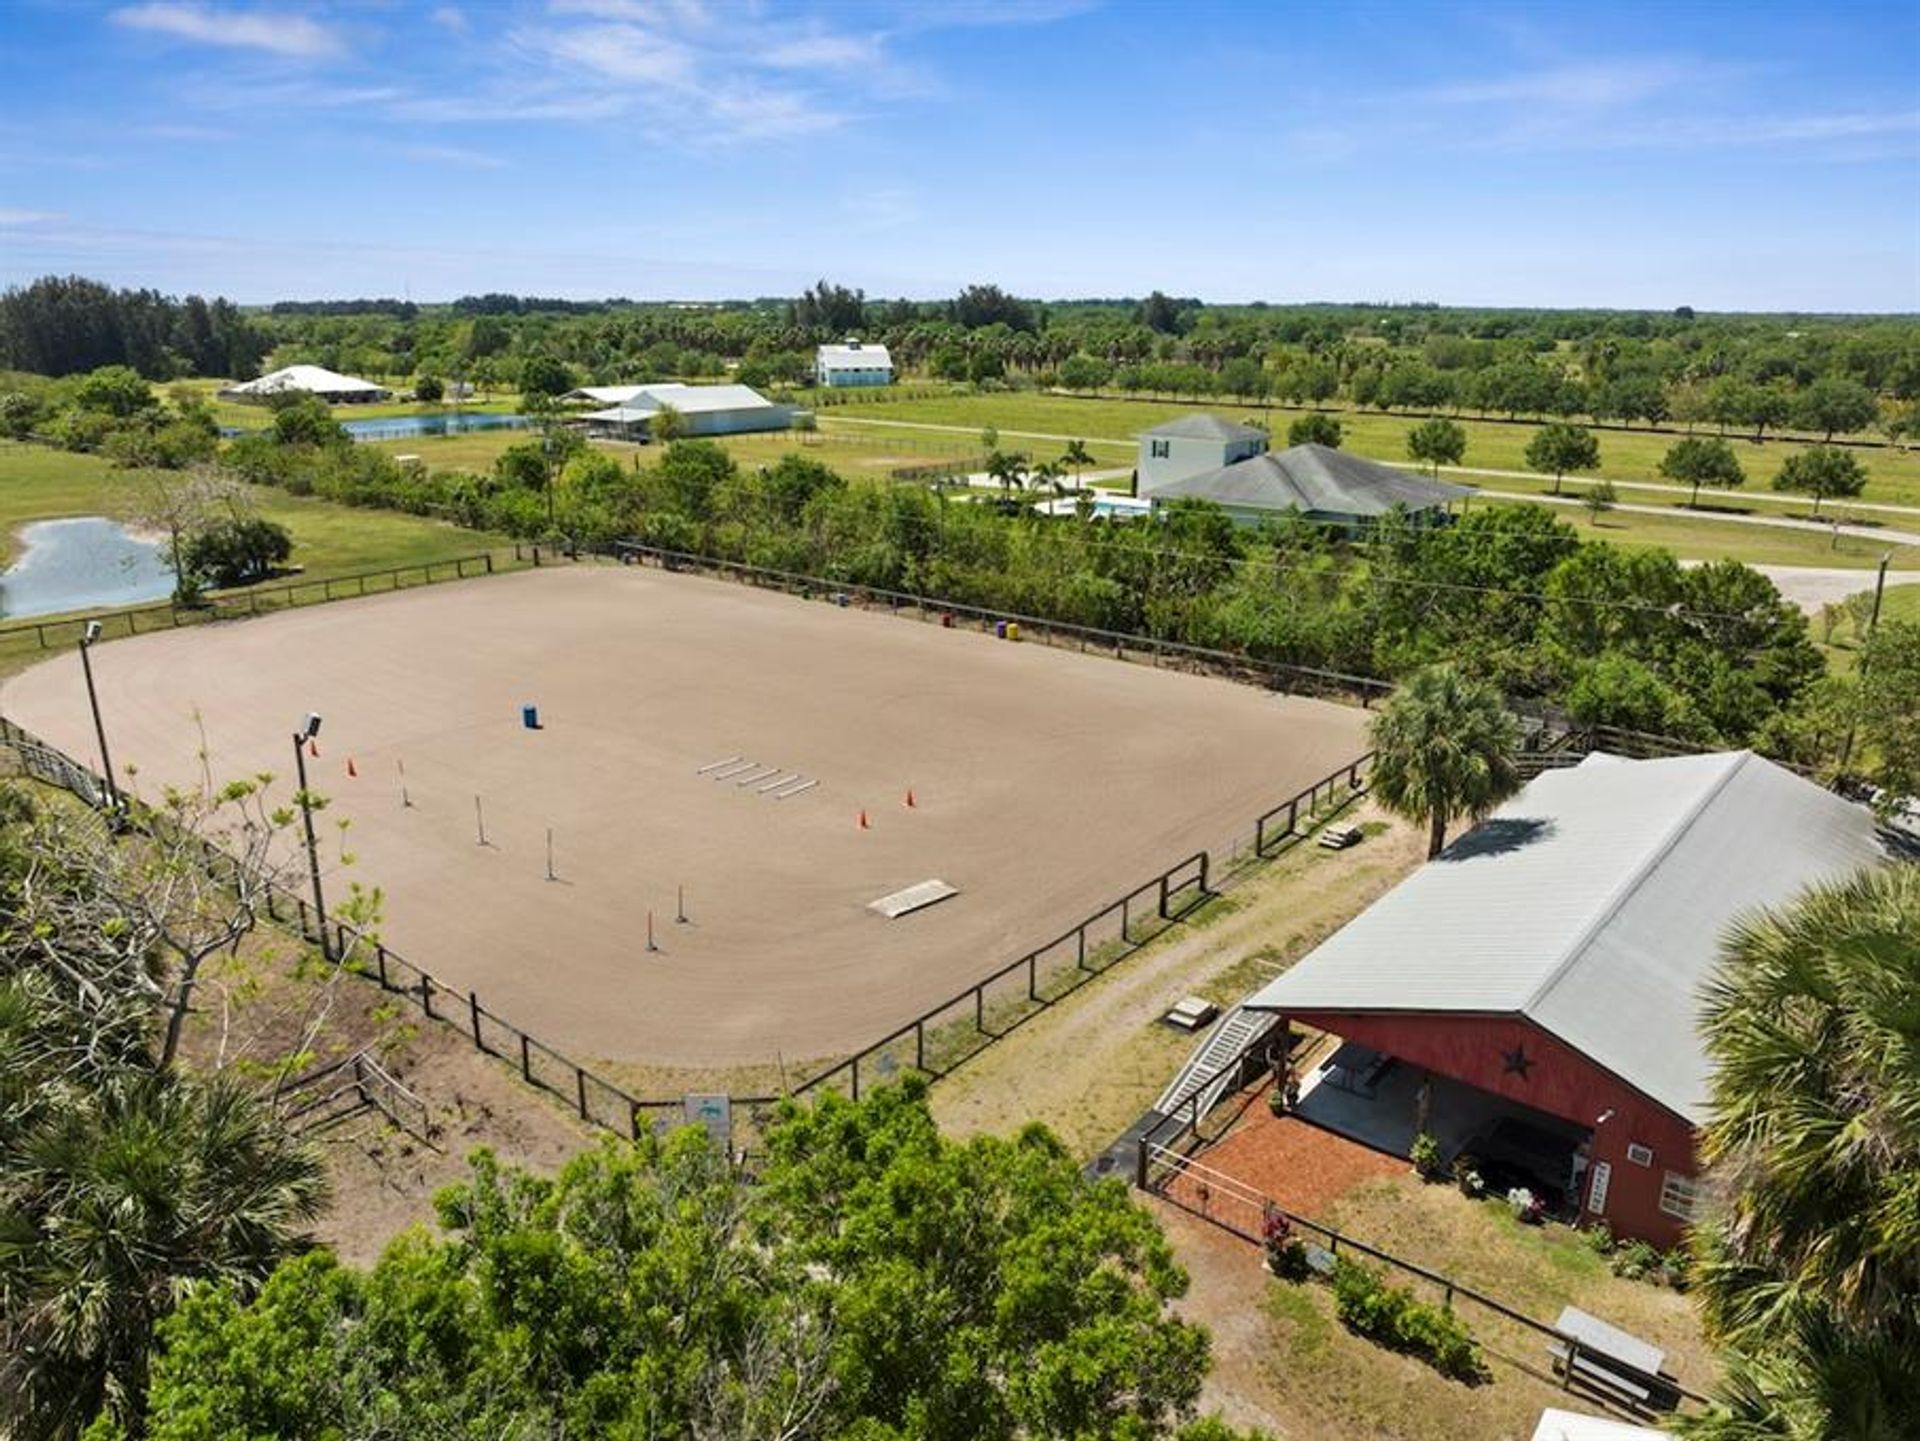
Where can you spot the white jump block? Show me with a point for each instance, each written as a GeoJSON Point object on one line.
{"type": "Point", "coordinates": [913, 898]}
{"type": "Point", "coordinates": [1191, 1013]}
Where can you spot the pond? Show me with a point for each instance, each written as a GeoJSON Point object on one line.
{"type": "Point", "coordinates": [79, 564]}
{"type": "Point", "coordinates": [411, 427]}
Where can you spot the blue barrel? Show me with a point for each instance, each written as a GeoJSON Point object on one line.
{"type": "Point", "coordinates": [530, 717]}
{"type": "Point", "coordinates": [1000, 629]}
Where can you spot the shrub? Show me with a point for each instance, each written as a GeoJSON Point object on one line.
{"type": "Point", "coordinates": [1466, 1175]}
{"type": "Point", "coordinates": [1676, 1268]}
{"type": "Point", "coordinates": [1286, 1255]}
{"type": "Point", "coordinates": [1277, 1101]}
{"type": "Point", "coordinates": [1599, 1237]}
{"type": "Point", "coordinates": [1393, 1317]}
{"type": "Point", "coordinates": [1425, 1156]}
{"type": "Point", "coordinates": [238, 552]}
{"type": "Point", "coordinates": [1635, 1261]}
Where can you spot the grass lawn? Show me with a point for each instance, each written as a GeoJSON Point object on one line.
{"type": "Point", "coordinates": [1694, 537]}
{"type": "Point", "coordinates": [1893, 475]}
{"type": "Point", "coordinates": [328, 539]}
{"type": "Point", "coordinates": [850, 453]}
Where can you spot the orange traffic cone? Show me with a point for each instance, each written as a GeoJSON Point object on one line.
{"type": "Point", "coordinates": [863, 822]}
{"type": "Point", "coordinates": [313, 749]}
{"type": "Point", "coordinates": [910, 800]}
{"type": "Point", "coordinates": [350, 767]}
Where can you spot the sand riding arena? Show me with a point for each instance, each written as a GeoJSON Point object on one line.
{"type": "Point", "coordinates": [750, 752]}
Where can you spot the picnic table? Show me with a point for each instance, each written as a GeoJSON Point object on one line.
{"type": "Point", "coordinates": [1596, 1344]}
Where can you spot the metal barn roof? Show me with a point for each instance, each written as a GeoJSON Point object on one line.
{"type": "Point", "coordinates": [1314, 479]}
{"type": "Point", "coordinates": [1206, 427]}
{"type": "Point", "coordinates": [1593, 904]}
{"type": "Point", "coordinates": [632, 403]}
{"type": "Point", "coordinates": [854, 355]}
{"type": "Point", "coordinates": [315, 378]}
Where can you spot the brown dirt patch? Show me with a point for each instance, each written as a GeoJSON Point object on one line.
{"type": "Point", "coordinates": [1047, 783]}
{"type": "Point", "coordinates": [1299, 1166]}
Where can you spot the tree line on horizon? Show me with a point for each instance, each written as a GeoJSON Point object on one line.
{"type": "Point", "coordinates": [1823, 375]}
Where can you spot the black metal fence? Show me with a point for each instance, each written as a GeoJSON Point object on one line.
{"type": "Point", "coordinates": [255, 600]}
{"type": "Point", "coordinates": [1274, 675]}
{"type": "Point", "coordinates": [953, 1032]}
{"type": "Point", "coordinates": [596, 1099]}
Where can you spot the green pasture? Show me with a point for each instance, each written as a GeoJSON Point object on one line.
{"type": "Point", "coordinates": [328, 539]}
{"type": "Point", "coordinates": [1110, 425]}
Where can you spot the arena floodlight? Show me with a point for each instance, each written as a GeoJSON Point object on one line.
{"type": "Point", "coordinates": [301, 739]}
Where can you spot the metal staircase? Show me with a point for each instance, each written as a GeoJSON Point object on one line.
{"type": "Point", "coordinates": [1214, 1067]}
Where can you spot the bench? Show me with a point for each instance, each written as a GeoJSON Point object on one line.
{"type": "Point", "coordinates": [1613, 1363]}
{"type": "Point", "coordinates": [1338, 838]}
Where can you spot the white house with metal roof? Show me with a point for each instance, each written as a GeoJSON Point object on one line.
{"type": "Point", "coordinates": [851, 363]}
{"type": "Point", "coordinates": [628, 410]}
{"type": "Point", "coordinates": [1553, 958]}
{"type": "Point", "coordinates": [330, 385]}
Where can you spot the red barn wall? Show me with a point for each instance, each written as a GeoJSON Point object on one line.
{"type": "Point", "coordinates": [1560, 1081]}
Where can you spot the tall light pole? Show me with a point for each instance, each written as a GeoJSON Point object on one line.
{"type": "Point", "coordinates": [87, 639]}
{"type": "Point", "coordinates": [310, 728]}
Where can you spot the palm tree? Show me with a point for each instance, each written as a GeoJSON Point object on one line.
{"type": "Point", "coordinates": [1077, 458]}
{"type": "Point", "coordinates": [1048, 473]}
{"type": "Point", "coordinates": [1007, 467]}
{"type": "Point", "coordinates": [114, 1209]}
{"type": "Point", "coordinates": [1810, 1247]}
{"type": "Point", "coordinates": [1445, 747]}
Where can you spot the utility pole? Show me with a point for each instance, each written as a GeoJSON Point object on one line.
{"type": "Point", "coordinates": [1866, 656]}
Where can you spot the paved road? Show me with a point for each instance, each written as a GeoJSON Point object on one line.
{"type": "Point", "coordinates": [1811, 587]}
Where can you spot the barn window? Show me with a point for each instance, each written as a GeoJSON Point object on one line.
{"type": "Point", "coordinates": [1640, 1155]}
{"type": "Point", "coordinates": [1678, 1194]}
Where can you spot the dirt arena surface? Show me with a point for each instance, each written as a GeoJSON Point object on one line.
{"type": "Point", "coordinates": [1047, 783]}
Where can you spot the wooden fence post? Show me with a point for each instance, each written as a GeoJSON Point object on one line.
{"type": "Point", "coordinates": [473, 1009]}
{"type": "Point", "coordinates": [426, 994]}
{"type": "Point", "coordinates": [526, 1059]}
{"type": "Point", "coordinates": [580, 1084]}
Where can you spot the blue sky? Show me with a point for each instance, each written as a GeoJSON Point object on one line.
{"type": "Point", "coordinates": [1726, 156]}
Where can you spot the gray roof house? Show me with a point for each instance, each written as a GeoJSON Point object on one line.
{"type": "Point", "coordinates": [1193, 445]}
{"type": "Point", "coordinates": [1320, 483]}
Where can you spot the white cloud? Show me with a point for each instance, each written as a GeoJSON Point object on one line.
{"type": "Point", "coordinates": [450, 17]}
{"type": "Point", "coordinates": [457, 155]}
{"type": "Point", "coordinates": [29, 217]}
{"type": "Point", "coordinates": [1596, 84]}
{"type": "Point", "coordinates": [278, 32]}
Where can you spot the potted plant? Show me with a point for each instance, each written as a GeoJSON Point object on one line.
{"type": "Point", "coordinates": [1466, 1175]}
{"type": "Point", "coordinates": [1426, 1158]}
{"type": "Point", "coordinates": [1286, 1256]}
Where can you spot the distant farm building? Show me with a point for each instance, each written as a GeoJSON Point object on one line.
{"type": "Point", "coordinates": [329, 385]}
{"type": "Point", "coordinates": [852, 363]}
{"type": "Point", "coordinates": [629, 410]}
{"type": "Point", "coordinates": [1530, 997]}
{"type": "Point", "coordinates": [1202, 457]}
